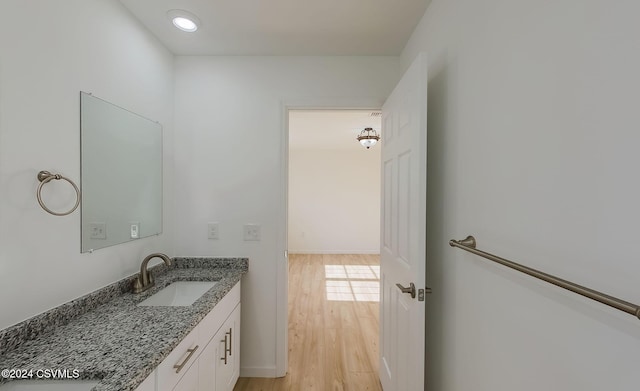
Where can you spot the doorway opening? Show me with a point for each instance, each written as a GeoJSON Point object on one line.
{"type": "Point", "coordinates": [327, 281]}
{"type": "Point", "coordinates": [333, 240]}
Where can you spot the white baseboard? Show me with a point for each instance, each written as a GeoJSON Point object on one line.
{"type": "Point", "coordinates": [258, 372]}
{"type": "Point", "coordinates": [365, 252]}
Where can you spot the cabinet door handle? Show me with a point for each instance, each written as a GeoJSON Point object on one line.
{"type": "Point", "coordinates": [178, 367]}
{"type": "Point", "coordinates": [225, 350]}
{"type": "Point", "coordinates": [229, 333]}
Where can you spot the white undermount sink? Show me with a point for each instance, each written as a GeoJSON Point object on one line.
{"type": "Point", "coordinates": [49, 385]}
{"type": "Point", "coordinates": [179, 293]}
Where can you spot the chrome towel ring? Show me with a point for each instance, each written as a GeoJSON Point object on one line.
{"type": "Point", "coordinates": [45, 177]}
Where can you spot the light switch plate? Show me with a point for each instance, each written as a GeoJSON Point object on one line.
{"type": "Point", "coordinates": [251, 232]}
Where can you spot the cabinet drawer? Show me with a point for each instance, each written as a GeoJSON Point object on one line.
{"type": "Point", "coordinates": [178, 362]}
{"type": "Point", "coordinates": [211, 323]}
{"type": "Point", "coordinates": [189, 381]}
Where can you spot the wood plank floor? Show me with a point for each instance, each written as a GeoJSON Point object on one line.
{"type": "Point", "coordinates": [333, 325]}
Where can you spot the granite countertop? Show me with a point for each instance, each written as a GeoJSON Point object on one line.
{"type": "Point", "coordinates": [120, 343]}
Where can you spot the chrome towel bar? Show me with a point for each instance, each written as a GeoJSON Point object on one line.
{"type": "Point", "coordinates": [469, 244]}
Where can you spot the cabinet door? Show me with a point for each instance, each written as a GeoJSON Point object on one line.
{"type": "Point", "coordinates": [235, 356]}
{"type": "Point", "coordinates": [216, 362]}
{"type": "Point", "coordinates": [219, 363]}
{"type": "Point", "coordinates": [228, 368]}
{"type": "Point", "coordinates": [207, 364]}
{"type": "Point", "coordinates": [189, 381]}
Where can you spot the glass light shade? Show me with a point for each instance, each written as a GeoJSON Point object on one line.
{"type": "Point", "coordinates": [185, 24]}
{"type": "Point", "coordinates": [368, 142]}
{"type": "Point", "coordinates": [368, 137]}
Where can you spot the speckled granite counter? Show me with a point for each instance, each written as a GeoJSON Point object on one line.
{"type": "Point", "coordinates": [104, 335]}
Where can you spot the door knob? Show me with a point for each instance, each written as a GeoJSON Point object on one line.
{"type": "Point", "coordinates": [411, 289]}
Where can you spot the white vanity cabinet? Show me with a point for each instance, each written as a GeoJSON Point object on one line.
{"type": "Point", "coordinates": [192, 365]}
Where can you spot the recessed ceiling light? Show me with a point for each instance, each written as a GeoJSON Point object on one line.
{"type": "Point", "coordinates": [185, 24]}
{"type": "Point", "coordinates": [184, 20]}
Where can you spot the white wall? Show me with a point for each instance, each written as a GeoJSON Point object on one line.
{"type": "Point", "coordinates": [229, 153]}
{"type": "Point", "coordinates": [334, 201]}
{"type": "Point", "coordinates": [49, 52]}
{"type": "Point", "coordinates": [533, 149]}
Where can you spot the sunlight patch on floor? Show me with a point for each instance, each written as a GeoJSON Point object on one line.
{"type": "Point", "coordinates": [352, 282]}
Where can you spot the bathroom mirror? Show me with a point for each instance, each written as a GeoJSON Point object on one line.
{"type": "Point", "coordinates": [121, 174]}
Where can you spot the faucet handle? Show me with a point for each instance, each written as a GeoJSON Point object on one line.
{"type": "Point", "coordinates": [136, 285]}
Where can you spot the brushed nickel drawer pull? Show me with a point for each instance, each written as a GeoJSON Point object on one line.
{"type": "Point", "coordinates": [225, 350]}
{"type": "Point", "coordinates": [229, 333]}
{"type": "Point", "coordinates": [179, 367]}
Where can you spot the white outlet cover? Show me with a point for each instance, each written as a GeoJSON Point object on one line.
{"type": "Point", "coordinates": [252, 232]}
{"type": "Point", "coordinates": [213, 231]}
{"type": "Point", "coordinates": [98, 230]}
{"type": "Point", "coordinates": [135, 230]}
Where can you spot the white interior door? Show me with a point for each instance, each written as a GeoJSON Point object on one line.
{"type": "Point", "coordinates": [403, 232]}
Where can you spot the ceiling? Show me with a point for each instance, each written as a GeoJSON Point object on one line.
{"type": "Point", "coordinates": [329, 129]}
{"type": "Point", "coordinates": [285, 27]}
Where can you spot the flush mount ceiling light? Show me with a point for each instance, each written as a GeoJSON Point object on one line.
{"type": "Point", "coordinates": [184, 20]}
{"type": "Point", "coordinates": [368, 137]}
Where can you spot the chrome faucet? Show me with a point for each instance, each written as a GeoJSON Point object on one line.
{"type": "Point", "coordinates": [145, 280]}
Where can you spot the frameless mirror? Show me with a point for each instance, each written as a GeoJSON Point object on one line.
{"type": "Point", "coordinates": [121, 174]}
